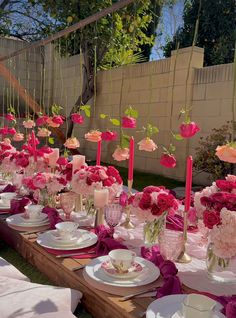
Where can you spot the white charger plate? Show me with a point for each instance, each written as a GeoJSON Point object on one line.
{"type": "Point", "coordinates": [171, 307]}
{"type": "Point", "coordinates": [17, 220]}
{"type": "Point", "coordinates": [149, 274]}
{"type": "Point", "coordinates": [42, 217]}
{"type": "Point", "coordinates": [87, 239]}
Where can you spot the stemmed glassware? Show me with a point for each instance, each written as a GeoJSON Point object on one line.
{"type": "Point", "coordinates": [67, 202]}
{"type": "Point", "coordinates": [113, 213]}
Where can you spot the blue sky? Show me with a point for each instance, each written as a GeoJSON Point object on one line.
{"type": "Point", "coordinates": [170, 20]}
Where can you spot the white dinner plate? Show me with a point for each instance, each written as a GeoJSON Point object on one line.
{"type": "Point", "coordinates": [42, 217]}
{"type": "Point", "coordinates": [171, 307]}
{"type": "Point", "coordinates": [17, 220]}
{"type": "Point", "coordinates": [4, 206]}
{"type": "Point", "coordinates": [149, 274]}
{"type": "Point", "coordinates": [85, 240]}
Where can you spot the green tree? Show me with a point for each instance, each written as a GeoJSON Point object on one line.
{"type": "Point", "coordinates": [216, 32]}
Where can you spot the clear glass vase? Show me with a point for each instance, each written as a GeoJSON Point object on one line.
{"type": "Point", "coordinates": [219, 268]}
{"type": "Point", "coordinates": [152, 229]}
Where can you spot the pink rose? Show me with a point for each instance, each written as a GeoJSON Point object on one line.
{"type": "Point", "coordinates": [168, 161]}
{"type": "Point", "coordinates": [111, 171]}
{"type": "Point", "coordinates": [150, 189]}
{"type": "Point", "coordinates": [43, 132]}
{"type": "Point", "coordinates": [42, 120]}
{"type": "Point", "coordinates": [93, 136]}
{"type": "Point", "coordinates": [11, 131]}
{"type": "Point", "coordinates": [147, 144]}
{"type": "Point", "coordinates": [128, 122]}
{"type": "Point", "coordinates": [226, 153]}
{"type": "Point", "coordinates": [57, 119]}
{"type": "Point", "coordinates": [189, 130]}
{"type": "Point", "coordinates": [145, 202]}
{"type": "Point", "coordinates": [10, 117]}
{"type": "Point", "coordinates": [50, 123]}
{"type": "Point", "coordinates": [18, 137]}
{"type": "Point", "coordinates": [108, 182]}
{"type": "Point", "coordinates": [155, 210]}
{"type": "Point", "coordinates": [72, 143]}
{"type": "Point", "coordinates": [225, 185]}
{"type": "Point", "coordinates": [210, 219]}
{"type": "Point", "coordinates": [4, 131]}
{"type": "Point", "coordinates": [62, 161]}
{"type": "Point", "coordinates": [92, 178]}
{"type": "Point", "coordinates": [46, 149]}
{"type": "Point", "coordinates": [206, 201]}
{"type": "Point", "coordinates": [121, 154]}
{"type": "Point", "coordinates": [40, 181]}
{"type": "Point", "coordinates": [109, 135]}
{"type": "Point", "coordinates": [77, 118]}
{"type": "Point", "coordinates": [28, 123]}
{"type": "Point", "coordinates": [22, 160]}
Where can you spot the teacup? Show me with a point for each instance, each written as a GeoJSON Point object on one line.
{"type": "Point", "coordinates": [195, 306]}
{"type": "Point", "coordinates": [7, 197]}
{"type": "Point", "coordinates": [122, 260]}
{"type": "Point", "coordinates": [33, 211]}
{"type": "Point", "coordinates": [66, 230]}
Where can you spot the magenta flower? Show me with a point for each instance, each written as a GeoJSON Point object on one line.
{"type": "Point", "coordinates": [189, 130]}
{"type": "Point", "coordinates": [57, 119]}
{"type": "Point", "coordinates": [11, 131]}
{"type": "Point", "coordinates": [77, 118]}
{"type": "Point", "coordinates": [123, 200]}
{"type": "Point", "coordinates": [42, 120]}
{"type": "Point", "coordinates": [62, 161]}
{"type": "Point", "coordinates": [109, 135]}
{"type": "Point", "coordinates": [10, 117]}
{"type": "Point", "coordinates": [128, 122]}
{"type": "Point", "coordinates": [168, 161]}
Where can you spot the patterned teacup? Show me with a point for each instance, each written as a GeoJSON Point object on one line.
{"type": "Point", "coordinates": [122, 260]}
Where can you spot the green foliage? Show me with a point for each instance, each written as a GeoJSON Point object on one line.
{"type": "Point", "coordinates": [56, 109]}
{"type": "Point", "coordinates": [151, 130]}
{"type": "Point", "coordinates": [131, 112]}
{"type": "Point", "coordinates": [51, 140]}
{"type": "Point", "coordinates": [216, 32]}
{"type": "Point", "coordinates": [86, 109]}
{"type": "Point", "coordinates": [125, 141]}
{"type": "Point", "coordinates": [206, 160]}
{"type": "Point", "coordinates": [115, 121]}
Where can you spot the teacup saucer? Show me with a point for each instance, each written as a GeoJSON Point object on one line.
{"type": "Point", "coordinates": [41, 217]}
{"type": "Point", "coordinates": [133, 271]}
{"type": "Point", "coordinates": [57, 238]}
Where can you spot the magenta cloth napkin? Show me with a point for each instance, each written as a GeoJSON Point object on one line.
{"type": "Point", "coordinates": [176, 223]}
{"type": "Point", "coordinates": [168, 270]}
{"type": "Point", "coordinates": [18, 205]}
{"type": "Point", "coordinates": [9, 188]}
{"type": "Point", "coordinates": [53, 216]}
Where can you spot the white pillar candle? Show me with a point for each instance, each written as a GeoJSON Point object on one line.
{"type": "Point", "coordinates": [77, 162]}
{"type": "Point", "coordinates": [53, 157]}
{"type": "Point", "coordinates": [101, 198]}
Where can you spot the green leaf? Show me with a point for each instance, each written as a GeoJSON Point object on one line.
{"type": "Point", "coordinates": [102, 116]}
{"type": "Point", "coordinates": [125, 141]}
{"type": "Point", "coordinates": [56, 109]}
{"type": "Point", "coordinates": [177, 137]}
{"type": "Point", "coordinates": [115, 121]}
{"type": "Point", "coordinates": [151, 130]}
{"type": "Point", "coordinates": [87, 112]}
{"type": "Point", "coordinates": [51, 140]}
{"type": "Point", "coordinates": [172, 148]}
{"type": "Point", "coordinates": [86, 109]}
{"type": "Point", "coordinates": [131, 112]}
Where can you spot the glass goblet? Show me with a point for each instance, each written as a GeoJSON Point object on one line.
{"type": "Point", "coordinates": [171, 244]}
{"type": "Point", "coordinates": [67, 201]}
{"type": "Point", "coordinates": [113, 213]}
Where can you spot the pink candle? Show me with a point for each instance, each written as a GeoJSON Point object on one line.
{"type": "Point", "coordinates": [188, 185]}
{"type": "Point", "coordinates": [77, 162]}
{"type": "Point", "coordinates": [99, 150]}
{"type": "Point", "coordinates": [53, 157]}
{"type": "Point", "coordinates": [33, 141]}
{"type": "Point", "coordinates": [101, 197]}
{"type": "Point", "coordinates": [131, 159]}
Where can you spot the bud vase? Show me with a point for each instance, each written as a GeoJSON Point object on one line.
{"type": "Point", "coordinates": [219, 268]}
{"type": "Point", "coordinates": [152, 229]}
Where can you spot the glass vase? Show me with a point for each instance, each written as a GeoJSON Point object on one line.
{"type": "Point", "coordinates": [152, 229]}
{"type": "Point", "coordinates": [219, 268]}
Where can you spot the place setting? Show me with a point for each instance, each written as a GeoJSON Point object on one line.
{"type": "Point", "coordinates": [5, 201]}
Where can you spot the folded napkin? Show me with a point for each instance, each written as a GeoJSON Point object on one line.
{"type": "Point", "coordinates": [9, 188]}
{"type": "Point", "coordinates": [53, 216]}
{"type": "Point", "coordinates": [176, 222]}
{"type": "Point", "coordinates": [18, 205]}
{"type": "Point", "coordinates": [231, 309]}
{"type": "Point", "coordinates": [168, 270]}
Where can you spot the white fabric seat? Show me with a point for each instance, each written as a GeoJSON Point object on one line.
{"type": "Point", "coordinates": [8, 270]}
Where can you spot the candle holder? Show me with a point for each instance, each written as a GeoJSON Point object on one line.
{"type": "Point", "coordinates": [127, 224]}
{"type": "Point", "coordinates": [79, 203]}
{"type": "Point", "coordinates": [184, 257]}
{"type": "Point", "coordinates": [99, 217]}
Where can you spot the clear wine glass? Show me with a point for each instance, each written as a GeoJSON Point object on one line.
{"type": "Point", "coordinates": [67, 201]}
{"type": "Point", "coordinates": [113, 213]}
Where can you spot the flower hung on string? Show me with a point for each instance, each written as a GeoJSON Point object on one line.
{"type": "Point", "coordinates": [93, 136]}
{"type": "Point", "coordinates": [189, 129]}
{"type": "Point", "coordinates": [43, 132]}
{"type": "Point", "coordinates": [42, 120]}
{"type": "Point", "coordinates": [18, 136]}
{"type": "Point", "coordinates": [11, 131]}
{"type": "Point", "coordinates": [4, 131]}
{"type": "Point", "coordinates": [46, 150]}
{"type": "Point", "coordinates": [147, 144]}
{"type": "Point", "coordinates": [168, 160]}
{"type": "Point", "coordinates": [121, 154]}
{"type": "Point", "coordinates": [129, 121]}
{"type": "Point", "coordinates": [10, 117]}
{"type": "Point", "coordinates": [109, 135]}
{"type": "Point", "coordinates": [227, 152]}
{"type": "Point", "coordinates": [72, 143]}
{"type": "Point", "coordinates": [29, 124]}
{"type": "Point", "coordinates": [77, 118]}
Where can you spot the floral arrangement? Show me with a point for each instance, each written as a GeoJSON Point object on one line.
{"type": "Point", "coordinates": [87, 179]}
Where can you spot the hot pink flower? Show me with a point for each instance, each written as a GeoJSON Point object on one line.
{"type": "Point", "coordinates": [46, 149]}
{"type": "Point", "coordinates": [42, 120]}
{"type": "Point", "coordinates": [4, 131]}
{"type": "Point", "coordinates": [22, 160]}
{"type": "Point", "coordinates": [210, 219]}
{"type": "Point", "coordinates": [168, 161]}
{"type": "Point", "coordinates": [145, 202]}
{"type": "Point", "coordinates": [93, 178]}
{"type": "Point", "coordinates": [62, 161]}
{"type": "Point", "coordinates": [189, 130]}
{"type": "Point", "coordinates": [123, 200]}
{"type": "Point", "coordinates": [11, 131]}
{"type": "Point", "coordinates": [226, 153]}
{"type": "Point", "coordinates": [109, 135]}
{"type": "Point", "coordinates": [18, 137]}
{"type": "Point", "coordinates": [50, 123]}
{"type": "Point", "coordinates": [93, 136]}
{"type": "Point", "coordinates": [72, 143]}
{"type": "Point", "coordinates": [121, 154]}
{"type": "Point", "coordinates": [128, 122]}
{"type": "Point", "coordinates": [147, 144]}
{"type": "Point", "coordinates": [77, 118]}
{"type": "Point", "coordinates": [111, 171]}
{"type": "Point", "coordinates": [28, 123]}
{"type": "Point", "coordinates": [57, 119]}
{"type": "Point", "coordinates": [10, 117]}
{"type": "Point", "coordinates": [40, 181]}
{"type": "Point", "coordinates": [43, 132]}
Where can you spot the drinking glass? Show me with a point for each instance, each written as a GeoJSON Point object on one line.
{"type": "Point", "coordinates": [171, 244]}
{"type": "Point", "coordinates": [67, 201]}
{"type": "Point", "coordinates": [113, 213]}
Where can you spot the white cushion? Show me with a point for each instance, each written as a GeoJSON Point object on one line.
{"type": "Point", "coordinates": [24, 299]}
{"type": "Point", "coordinates": [8, 270]}
{"type": "Point", "coordinates": [56, 315]}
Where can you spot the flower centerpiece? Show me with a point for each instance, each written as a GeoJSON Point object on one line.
{"type": "Point", "coordinates": [217, 207]}
{"type": "Point", "coordinates": [152, 205]}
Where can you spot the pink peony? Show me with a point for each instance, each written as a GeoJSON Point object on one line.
{"type": "Point", "coordinates": [189, 130]}
{"type": "Point", "coordinates": [40, 181]}
{"type": "Point", "coordinates": [10, 117]}
{"type": "Point", "coordinates": [11, 131]}
{"type": "Point", "coordinates": [58, 119]}
{"type": "Point", "coordinates": [168, 161]}
{"type": "Point", "coordinates": [18, 137]}
{"type": "Point", "coordinates": [29, 123]}
{"type": "Point", "coordinates": [226, 153]}
{"type": "Point", "coordinates": [109, 135]}
{"type": "Point", "coordinates": [62, 161]}
{"type": "Point", "coordinates": [147, 144]}
{"type": "Point", "coordinates": [121, 154]}
{"type": "Point", "coordinates": [42, 120]}
{"type": "Point", "coordinates": [128, 122]}
{"type": "Point", "coordinates": [72, 143]}
{"type": "Point", "coordinates": [93, 136]}
{"type": "Point", "coordinates": [43, 132]}
{"type": "Point", "coordinates": [77, 118]}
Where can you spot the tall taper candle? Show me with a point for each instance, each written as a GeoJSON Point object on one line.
{"type": "Point", "coordinates": [131, 159]}
{"type": "Point", "coordinates": [33, 141]}
{"type": "Point", "coordinates": [188, 185]}
{"type": "Point", "coordinates": [99, 150]}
